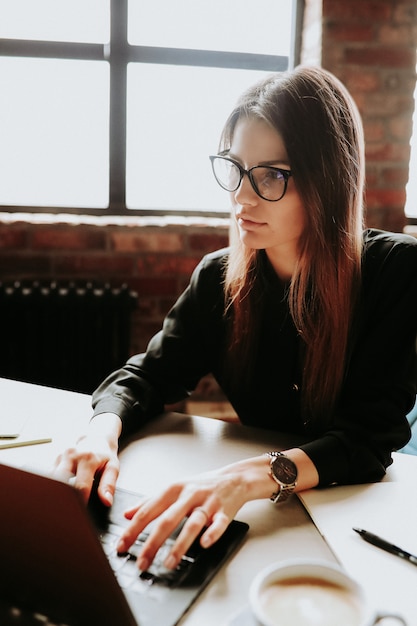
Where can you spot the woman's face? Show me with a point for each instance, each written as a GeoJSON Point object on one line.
{"type": "Point", "coordinates": [273, 226]}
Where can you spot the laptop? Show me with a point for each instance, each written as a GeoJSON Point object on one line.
{"type": "Point", "coordinates": [59, 566]}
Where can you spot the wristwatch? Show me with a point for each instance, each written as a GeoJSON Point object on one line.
{"type": "Point", "coordinates": [284, 472]}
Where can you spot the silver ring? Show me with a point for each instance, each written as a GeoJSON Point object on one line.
{"type": "Point", "coordinates": [201, 510]}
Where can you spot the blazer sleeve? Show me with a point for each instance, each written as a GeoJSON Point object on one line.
{"type": "Point", "coordinates": [176, 357]}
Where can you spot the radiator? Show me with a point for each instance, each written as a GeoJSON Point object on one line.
{"type": "Point", "coordinates": [64, 335]}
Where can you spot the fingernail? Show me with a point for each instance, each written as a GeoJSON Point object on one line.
{"type": "Point", "coordinates": [143, 564]}
{"type": "Point", "coordinates": [109, 497]}
{"type": "Point", "coordinates": [205, 541]}
{"type": "Point", "coordinates": [121, 546]}
{"type": "Point", "coordinates": [170, 562]}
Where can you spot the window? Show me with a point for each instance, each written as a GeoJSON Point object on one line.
{"type": "Point", "coordinates": [114, 105]}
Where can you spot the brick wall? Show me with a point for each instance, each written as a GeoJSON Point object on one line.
{"type": "Point", "coordinates": [369, 44]}
{"type": "Point", "coordinates": [154, 257]}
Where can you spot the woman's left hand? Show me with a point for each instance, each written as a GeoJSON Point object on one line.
{"type": "Point", "coordinates": [209, 501]}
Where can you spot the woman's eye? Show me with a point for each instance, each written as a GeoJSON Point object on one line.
{"type": "Point", "coordinates": [270, 176]}
{"type": "Point", "coordinates": [275, 175]}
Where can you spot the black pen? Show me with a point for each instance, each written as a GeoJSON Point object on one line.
{"type": "Point", "coordinates": [386, 545]}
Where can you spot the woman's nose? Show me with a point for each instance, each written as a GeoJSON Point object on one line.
{"type": "Point", "coordinates": [245, 193]}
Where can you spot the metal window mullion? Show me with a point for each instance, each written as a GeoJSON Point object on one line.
{"type": "Point", "coordinates": [297, 33]}
{"type": "Point", "coordinates": [51, 49]}
{"type": "Point", "coordinates": [117, 135]}
{"type": "Point", "coordinates": [118, 57]}
{"type": "Point", "coordinates": [207, 58]}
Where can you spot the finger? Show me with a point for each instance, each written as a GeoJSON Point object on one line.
{"type": "Point", "coordinates": [220, 522]}
{"type": "Point", "coordinates": [161, 530]}
{"type": "Point", "coordinates": [144, 513]}
{"type": "Point", "coordinates": [64, 466]}
{"type": "Point", "coordinates": [130, 513]}
{"type": "Point", "coordinates": [197, 521]}
{"type": "Point", "coordinates": [76, 470]}
{"type": "Point", "coordinates": [84, 478]}
{"type": "Point", "coordinates": [164, 520]}
{"type": "Point", "coordinates": [107, 484]}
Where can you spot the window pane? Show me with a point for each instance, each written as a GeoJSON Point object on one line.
{"type": "Point", "coordinates": [257, 26]}
{"type": "Point", "coordinates": [56, 20]}
{"type": "Point", "coordinates": [54, 126]}
{"type": "Point", "coordinates": [174, 119]}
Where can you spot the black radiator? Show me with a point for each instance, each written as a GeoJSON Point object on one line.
{"type": "Point", "coordinates": [66, 335]}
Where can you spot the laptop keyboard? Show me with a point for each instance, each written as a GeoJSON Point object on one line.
{"type": "Point", "coordinates": [155, 582]}
{"type": "Point", "coordinates": [110, 524]}
{"type": "Point", "coordinates": [125, 568]}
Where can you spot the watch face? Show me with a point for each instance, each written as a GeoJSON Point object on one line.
{"type": "Point", "coordinates": [284, 470]}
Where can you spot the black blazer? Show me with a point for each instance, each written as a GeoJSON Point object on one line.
{"type": "Point", "coordinates": [380, 383]}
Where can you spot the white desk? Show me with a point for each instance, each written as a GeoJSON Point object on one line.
{"type": "Point", "coordinates": [173, 446]}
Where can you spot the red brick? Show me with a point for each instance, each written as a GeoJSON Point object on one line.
{"type": "Point", "coordinates": [170, 265]}
{"type": "Point", "coordinates": [148, 308]}
{"type": "Point", "coordinates": [374, 130]}
{"type": "Point", "coordinates": [13, 237]}
{"type": "Point", "coordinates": [376, 198]}
{"type": "Point", "coordinates": [396, 152]}
{"type": "Point", "coordinates": [395, 175]}
{"type": "Point", "coordinates": [405, 12]}
{"type": "Point", "coordinates": [387, 103]}
{"type": "Point", "coordinates": [348, 32]}
{"type": "Point", "coordinates": [208, 242]}
{"type": "Point", "coordinates": [395, 220]}
{"type": "Point", "coordinates": [384, 56]}
{"type": "Point", "coordinates": [371, 176]}
{"type": "Point", "coordinates": [391, 218]}
{"type": "Point", "coordinates": [394, 34]}
{"type": "Point", "coordinates": [363, 81]}
{"type": "Point", "coordinates": [401, 83]}
{"type": "Point", "coordinates": [156, 286]}
{"type": "Point", "coordinates": [401, 127]}
{"type": "Point", "coordinates": [29, 265]}
{"type": "Point", "coordinates": [358, 10]}
{"type": "Point", "coordinates": [68, 238]}
{"type": "Point", "coordinates": [384, 103]}
{"type": "Point", "coordinates": [147, 241]}
{"type": "Point", "coordinates": [94, 265]}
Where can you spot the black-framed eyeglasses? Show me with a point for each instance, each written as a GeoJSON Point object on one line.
{"type": "Point", "coordinates": [270, 183]}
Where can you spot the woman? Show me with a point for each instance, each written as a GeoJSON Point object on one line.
{"type": "Point", "coordinates": [307, 322]}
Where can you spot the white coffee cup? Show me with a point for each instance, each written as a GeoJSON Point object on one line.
{"type": "Point", "coordinates": [311, 593]}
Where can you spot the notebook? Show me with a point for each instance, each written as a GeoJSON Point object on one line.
{"type": "Point", "coordinates": [58, 564]}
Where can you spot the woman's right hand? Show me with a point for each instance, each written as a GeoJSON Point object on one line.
{"type": "Point", "coordinates": [93, 456]}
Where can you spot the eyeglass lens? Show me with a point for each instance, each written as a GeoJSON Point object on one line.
{"type": "Point", "coordinates": [268, 182]}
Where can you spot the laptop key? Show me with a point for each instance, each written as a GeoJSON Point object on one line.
{"type": "Point", "coordinates": [124, 565]}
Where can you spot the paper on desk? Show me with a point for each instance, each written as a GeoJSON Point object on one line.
{"type": "Point", "coordinates": [388, 509]}
{"type": "Point", "coordinates": [16, 429]}
{"type": "Point", "coordinates": [11, 423]}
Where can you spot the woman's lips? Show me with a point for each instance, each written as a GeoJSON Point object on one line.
{"type": "Point", "coordinates": [248, 224]}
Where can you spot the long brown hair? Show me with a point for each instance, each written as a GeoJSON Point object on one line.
{"type": "Point", "coordinates": [322, 132]}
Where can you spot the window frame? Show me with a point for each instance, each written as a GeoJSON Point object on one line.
{"type": "Point", "coordinates": [118, 52]}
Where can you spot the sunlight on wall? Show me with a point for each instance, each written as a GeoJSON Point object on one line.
{"type": "Point", "coordinates": [411, 189]}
